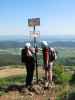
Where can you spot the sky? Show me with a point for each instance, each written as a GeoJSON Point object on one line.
{"type": "Point", "coordinates": [57, 17]}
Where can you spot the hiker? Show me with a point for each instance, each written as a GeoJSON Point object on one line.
{"type": "Point", "coordinates": [52, 58]}
{"type": "Point", "coordinates": [28, 59]}
{"type": "Point", "coordinates": [48, 60]}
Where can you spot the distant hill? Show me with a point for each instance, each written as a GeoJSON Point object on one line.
{"type": "Point", "coordinates": [11, 44]}
{"type": "Point", "coordinates": [14, 44]}
{"type": "Point", "coordinates": [62, 44]}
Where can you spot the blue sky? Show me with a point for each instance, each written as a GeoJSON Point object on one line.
{"type": "Point", "coordinates": [57, 17]}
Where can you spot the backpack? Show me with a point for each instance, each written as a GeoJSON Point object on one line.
{"type": "Point", "coordinates": [52, 55]}
{"type": "Point", "coordinates": [25, 58]}
{"type": "Point", "coordinates": [23, 55]}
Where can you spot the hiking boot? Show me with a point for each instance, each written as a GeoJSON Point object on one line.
{"type": "Point", "coordinates": [51, 84]}
{"type": "Point", "coordinates": [46, 85]}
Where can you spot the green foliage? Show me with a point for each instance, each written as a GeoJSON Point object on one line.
{"type": "Point", "coordinates": [71, 96]}
{"type": "Point", "coordinates": [12, 80]}
{"type": "Point", "coordinates": [66, 56]}
{"type": "Point", "coordinates": [72, 80]}
{"type": "Point", "coordinates": [9, 59]}
{"type": "Point", "coordinates": [61, 75]}
{"type": "Point", "coordinates": [2, 93]}
{"type": "Point", "coordinates": [59, 98]}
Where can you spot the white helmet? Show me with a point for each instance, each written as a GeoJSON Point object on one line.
{"type": "Point", "coordinates": [52, 49]}
{"type": "Point", "coordinates": [27, 45]}
{"type": "Point", "coordinates": [44, 43]}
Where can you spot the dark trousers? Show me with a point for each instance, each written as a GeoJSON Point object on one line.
{"type": "Point", "coordinates": [30, 72]}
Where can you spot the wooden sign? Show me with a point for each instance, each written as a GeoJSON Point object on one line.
{"type": "Point", "coordinates": [34, 22]}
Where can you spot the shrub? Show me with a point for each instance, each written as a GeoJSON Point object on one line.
{"type": "Point", "coordinates": [72, 80]}
{"type": "Point", "coordinates": [60, 75]}
{"type": "Point", "coordinates": [71, 96]}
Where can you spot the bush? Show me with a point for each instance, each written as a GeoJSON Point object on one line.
{"type": "Point", "coordinates": [60, 75]}
{"type": "Point", "coordinates": [71, 96]}
{"type": "Point", "coordinates": [72, 80]}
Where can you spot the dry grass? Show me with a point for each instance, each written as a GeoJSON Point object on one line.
{"type": "Point", "coordinates": [17, 71]}
{"type": "Point", "coordinates": [11, 72]}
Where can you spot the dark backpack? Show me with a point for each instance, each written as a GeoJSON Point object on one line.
{"type": "Point", "coordinates": [23, 55]}
{"type": "Point", "coordinates": [51, 55]}
{"type": "Point", "coordinates": [25, 58]}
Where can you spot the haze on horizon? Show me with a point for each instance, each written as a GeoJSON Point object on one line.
{"type": "Point", "coordinates": [57, 17]}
